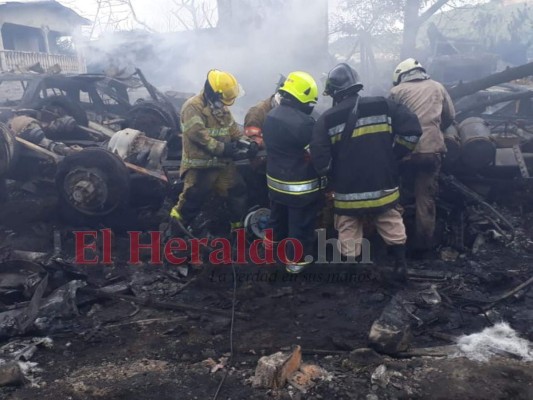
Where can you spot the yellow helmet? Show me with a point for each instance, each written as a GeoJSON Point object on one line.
{"type": "Point", "coordinates": [302, 86]}
{"type": "Point", "coordinates": [225, 85]}
{"type": "Point", "coordinates": [404, 67]}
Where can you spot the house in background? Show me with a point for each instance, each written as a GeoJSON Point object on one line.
{"type": "Point", "coordinates": [39, 32]}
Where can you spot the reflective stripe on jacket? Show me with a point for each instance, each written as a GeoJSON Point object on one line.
{"type": "Point", "coordinates": [204, 134]}
{"type": "Point", "coordinates": [293, 188]}
{"type": "Point", "coordinates": [364, 159]}
{"type": "Point", "coordinates": [292, 179]}
{"type": "Point", "coordinates": [204, 163]}
{"type": "Point", "coordinates": [379, 198]}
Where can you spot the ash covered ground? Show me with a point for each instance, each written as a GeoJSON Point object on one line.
{"type": "Point", "coordinates": [138, 343]}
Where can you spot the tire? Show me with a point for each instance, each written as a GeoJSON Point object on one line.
{"type": "Point", "coordinates": [8, 149]}
{"type": "Point", "coordinates": [3, 190]}
{"type": "Point", "coordinates": [92, 184]}
{"type": "Point", "coordinates": [150, 117]}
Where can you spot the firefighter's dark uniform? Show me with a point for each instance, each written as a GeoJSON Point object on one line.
{"type": "Point", "coordinates": [364, 153]}
{"type": "Point", "coordinates": [292, 181]}
{"type": "Point", "coordinates": [203, 167]}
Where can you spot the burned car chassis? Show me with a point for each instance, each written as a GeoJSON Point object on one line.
{"type": "Point", "coordinates": [104, 140]}
{"type": "Point", "coordinates": [93, 178]}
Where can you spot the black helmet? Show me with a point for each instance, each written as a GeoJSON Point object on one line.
{"type": "Point", "coordinates": [342, 80]}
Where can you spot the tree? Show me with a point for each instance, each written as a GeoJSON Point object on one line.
{"type": "Point", "coordinates": [194, 14]}
{"type": "Point", "coordinates": [376, 17]}
{"type": "Point", "coordinates": [415, 13]}
{"type": "Point", "coordinates": [116, 15]}
{"type": "Point", "coordinates": [109, 15]}
{"type": "Point", "coordinates": [370, 16]}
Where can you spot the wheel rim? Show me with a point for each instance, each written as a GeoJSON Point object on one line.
{"type": "Point", "coordinates": [87, 191]}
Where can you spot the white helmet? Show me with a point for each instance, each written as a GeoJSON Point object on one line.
{"type": "Point", "coordinates": [404, 67]}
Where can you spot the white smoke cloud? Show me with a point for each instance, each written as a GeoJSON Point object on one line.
{"type": "Point", "coordinates": [257, 43]}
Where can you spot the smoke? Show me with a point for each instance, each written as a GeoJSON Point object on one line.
{"type": "Point", "coordinates": [256, 41]}
{"type": "Point", "coordinates": [496, 340]}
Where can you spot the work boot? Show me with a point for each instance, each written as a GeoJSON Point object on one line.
{"type": "Point", "coordinates": [399, 274]}
{"type": "Point", "coordinates": [176, 229]}
{"type": "Point", "coordinates": [177, 226]}
{"type": "Point", "coordinates": [295, 268]}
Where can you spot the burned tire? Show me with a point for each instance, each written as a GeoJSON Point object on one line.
{"type": "Point", "coordinates": [3, 190]}
{"type": "Point", "coordinates": [92, 183]}
{"type": "Point", "coordinates": [7, 149]}
{"type": "Point", "coordinates": [62, 106]}
{"type": "Point", "coordinates": [150, 118]}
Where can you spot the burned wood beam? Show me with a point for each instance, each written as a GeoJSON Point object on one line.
{"type": "Point", "coordinates": [165, 305]}
{"type": "Point", "coordinates": [495, 100]}
{"type": "Point", "coordinates": [437, 351]}
{"type": "Point", "coordinates": [452, 183]}
{"type": "Point", "coordinates": [511, 292]}
{"type": "Point", "coordinates": [510, 74]}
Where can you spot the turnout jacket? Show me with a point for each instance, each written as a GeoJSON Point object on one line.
{"type": "Point", "coordinates": [432, 104]}
{"type": "Point", "coordinates": [255, 118]}
{"type": "Point", "coordinates": [204, 134]}
{"type": "Point", "coordinates": [291, 178]}
{"type": "Point", "coordinates": [362, 154]}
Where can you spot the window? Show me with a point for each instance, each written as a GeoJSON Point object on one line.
{"type": "Point", "coordinates": [61, 44]}
{"type": "Point", "coordinates": [22, 38]}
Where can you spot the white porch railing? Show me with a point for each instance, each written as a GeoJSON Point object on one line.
{"type": "Point", "coordinates": [19, 60]}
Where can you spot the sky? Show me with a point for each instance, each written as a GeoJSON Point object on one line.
{"type": "Point", "coordinates": [174, 62]}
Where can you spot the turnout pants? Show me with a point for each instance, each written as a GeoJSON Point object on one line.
{"type": "Point", "coordinates": [295, 223]}
{"type": "Point", "coordinates": [199, 184]}
{"type": "Point", "coordinates": [426, 188]}
{"type": "Point", "coordinates": [389, 225]}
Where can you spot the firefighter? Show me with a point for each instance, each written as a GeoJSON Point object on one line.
{"type": "Point", "coordinates": [433, 106]}
{"type": "Point", "coordinates": [358, 143]}
{"type": "Point", "coordinates": [210, 137]}
{"type": "Point", "coordinates": [293, 183]}
{"type": "Point", "coordinates": [255, 118]}
{"type": "Point", "coordinates": [255, 176]}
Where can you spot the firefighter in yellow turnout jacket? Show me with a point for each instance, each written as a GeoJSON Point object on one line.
{"type": "Point", "coordinates": [210, 137]}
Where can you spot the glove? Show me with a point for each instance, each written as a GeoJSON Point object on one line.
{"type": "Point", "coordinates": [230, 149]}
{"type": "Point", "coordinates": [253, 150]}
